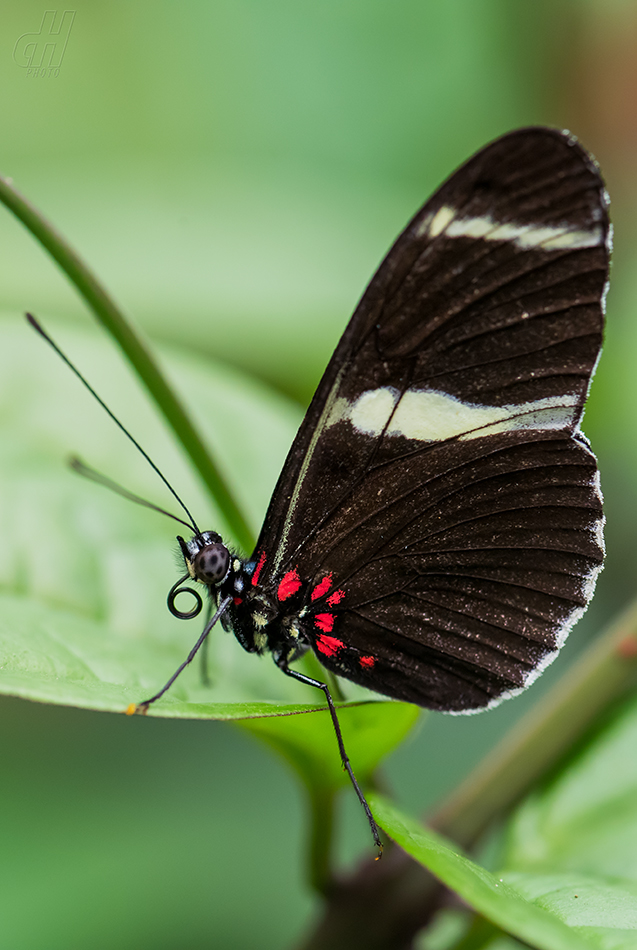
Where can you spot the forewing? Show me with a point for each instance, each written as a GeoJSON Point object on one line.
{"type": "Point", "coordinates": [439, 476]}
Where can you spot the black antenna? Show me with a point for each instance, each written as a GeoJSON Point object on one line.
{"type": "Point", "coordinates": [94, 476]}
{"type": "Point", "coordinates": [36, 326]}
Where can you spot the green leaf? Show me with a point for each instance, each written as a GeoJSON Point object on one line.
{"type": "Point", "coordinates": [602, 911]}
{"type": "Point", "coordinates": [54, 655]}
{"type": "Point", "coordinates": [496, 900]}
{"type": "Point", "coordinates": [370, 732]}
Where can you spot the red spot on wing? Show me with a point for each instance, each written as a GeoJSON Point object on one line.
{"type": "Point", "coordinates": [289, 585]}
{"type": "Point", "coordinates": [324, 622]}
{"type": "Point", "coordinates": [322, 587]}
{"type": "Point", "coordinates": [335, 598]}
{"type": "Point", "coordinates": [237, 600]}
{"type": "Point", "coordinates": [258, 569]}
{"type": "Point", "coordinates": [368, 661]}
{"type": "Point", "coordinates": [329, 645]}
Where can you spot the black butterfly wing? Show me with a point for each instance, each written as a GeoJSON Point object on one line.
{"type": "Point", "coordinates": [439, 496]}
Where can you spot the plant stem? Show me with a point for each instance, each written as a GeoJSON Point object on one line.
{"type": "Point", "coordinates": [131, 344]}
{"type": "Point", "coordinates": [605, 671]}
{"type": "Point", "coordinates": [321, 805]}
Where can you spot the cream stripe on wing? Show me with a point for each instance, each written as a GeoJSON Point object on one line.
{"type": "Point", "coordinates": [548, 237]}
{"type": "Point", "coordinates": [432, 416]}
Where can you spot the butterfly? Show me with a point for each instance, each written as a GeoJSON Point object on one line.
{"type": "Point", "coordinates": [437, 527]}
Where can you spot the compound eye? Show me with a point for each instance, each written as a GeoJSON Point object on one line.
{"type": "Point", "coordinates": [211, 563]}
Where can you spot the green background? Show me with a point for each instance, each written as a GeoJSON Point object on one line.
{"type": "Point", "coordinates": [234, 172]}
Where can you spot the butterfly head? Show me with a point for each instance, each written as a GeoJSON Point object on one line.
{"type": "Point", "coordinates": [206, 557]}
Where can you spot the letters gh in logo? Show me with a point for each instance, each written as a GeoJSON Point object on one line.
{"type": "Point", "coordinates": [44, 50]}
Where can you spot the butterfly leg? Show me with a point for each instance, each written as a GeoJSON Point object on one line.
{"type": "Point", "coordinates": [143, 707]}
{"type": "Point", "coordinates": [282, 663]}
{"type": "Point", "coordinates": [203, 668]}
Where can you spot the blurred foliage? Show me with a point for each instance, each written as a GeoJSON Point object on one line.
{"type": "Point", "coordinates": [234, 172]}
{"type": "Point", "coordinates": [570, 851]}
{"type": "Point", "coordinates": [570, 847]}
{"type": "Point", "coordinates": [259, 157]}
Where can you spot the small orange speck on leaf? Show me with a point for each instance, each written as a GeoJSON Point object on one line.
{"type": "Point", "coordinates": [131, 709]}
